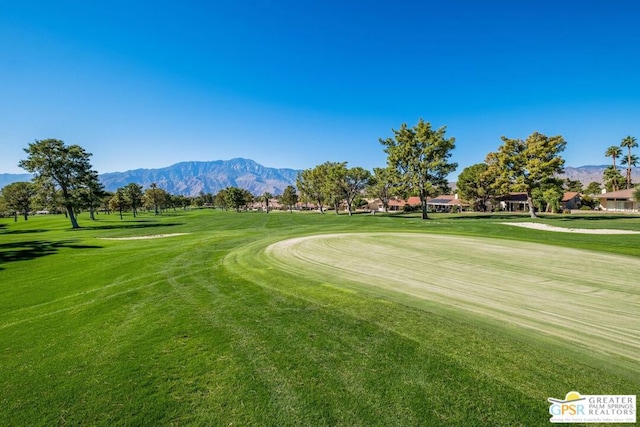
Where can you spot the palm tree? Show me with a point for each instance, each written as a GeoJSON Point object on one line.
{"type": "Point", "coordinates": [614, 152]}
{"type": "Point", "coordinates": [629, 142]}
{"type": "Point", "coordinates": [630, 161]}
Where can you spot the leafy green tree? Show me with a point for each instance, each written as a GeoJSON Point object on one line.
{"type": "Point", "coordinates": [220, 199]}
{"type": "Point", "coordinates": [289, 197]}
{"type": "Point", "coordinates": [134, 194]}
{"type": "Point", "coordinates": [629, 142]}
{"type": "Point", "coordinates": [593, 188]}
{"type": "Point", "coordinates": [156, 197]}
{"type": "Point", "coordinates": [237, 197]}
{"type": "Point", "coordinates": [334, 183]}
{"type": "Point", "coordinates": [17, 197]}
{"type": "Point", "coordinates": [119, 201]}
{"type": "Point", "coordinates": [92, 193]}
{"type": "Point", "coordinates": [573, 185]}
{"type": "Point", "coordinates": [382, 185]}
{"type": "Point", "coordinates": [64, 167]}
{"type": "Point", "coordinates": [356, 181]}
{"type": "Point", "coordinates": [552, 197]}
{"type": "Point", "coordinates": [104, 201]}
{"type": "Point", "coordinates": [311, 183]}
{"type": "Point", "coordinates": [474, 186]}
{"type": "Point", "coordinates": [523, 166]}
{"type": "Point", "coordinates": [420, 155]}
{"type": "Point", "coordinates": [612, 178]}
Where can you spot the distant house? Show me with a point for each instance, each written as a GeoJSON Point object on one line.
{"type": "Point", "coordinates": [445, 203]}
{"type": "Point", "coordinates": [396, 205]}
{"type": "Point", "coordinates": [619, 201]}
{"type": "Point", "coordinates": [571, 200]}
{"type": "Point", "coordinates": [513, 202]}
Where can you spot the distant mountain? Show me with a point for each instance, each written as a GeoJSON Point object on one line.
{"type": "Point", "coordinates": [190, 178]}
{"type": "Point", "coordinates": [9, 178]}
{"type": "Point", "coordinates": [590, 173]}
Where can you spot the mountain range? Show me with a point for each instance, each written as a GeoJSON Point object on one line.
{"type": "Point", "coordinates": [191, 178]}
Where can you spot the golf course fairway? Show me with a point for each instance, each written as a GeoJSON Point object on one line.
{"type": "Point", "coordinates": [574, 296]}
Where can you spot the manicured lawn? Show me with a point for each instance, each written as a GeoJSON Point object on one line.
{"type": "Point", "coordinates": [208, 328]}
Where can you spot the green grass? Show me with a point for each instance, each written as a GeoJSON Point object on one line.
{"type": "Point", "coordinates": [204, 329]}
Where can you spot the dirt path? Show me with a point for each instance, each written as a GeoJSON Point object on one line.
{"type": "Point", "coordinates": [588, 298]}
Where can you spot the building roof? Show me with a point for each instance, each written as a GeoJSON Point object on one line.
{"type": "Point", "coordinates": [570, 195]}
{"type": "Point", "coordinates": [620, 194]}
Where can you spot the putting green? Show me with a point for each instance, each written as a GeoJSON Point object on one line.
{"type": "Point", "coordinates": [589, 299]}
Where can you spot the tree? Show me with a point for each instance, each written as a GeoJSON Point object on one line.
{"type": "Point", "coordinates": [593, 188]}
{"type": "Point", "coordinates": [552, 197]}
{"type": "Point", "coordinates": [289, 197]}
{"type": "Point", "coordinates": [629, 161]}
{"type": "Point", "coordinates": [220, 199]}
{"type": "Point", "coordinates": [266, 197]}
{"type": "Point", "coordinates": [118, 201]}
{"type": "Point", "coordinates": [17, 197]}
{"type": "Point", "coordinates": [382, 185]}
{"type": "Point", "coordinates": [155, 197]}
{"type": "Point", "coordinates": [64, 167]}
{"type": "Point", "coordinates": [420, 157]}
{"type": "Point", "coordinates": [523, 166]}
{"type": "Point", "coordinates": [355, 181]}
{"type": "Point", "coordinates": [612, 178]}
{"type": "Point", "coordinates": [310, 182]}
{"type": "Point", "coordinates": [474, 186]}
{"type": "Point", "coordinates": [614, 152]}
{"type": "Point", "coordinates": [133, 193]}
{"type": "Point", "coordinates": [573, 185]}
{"type": "Point", "coordinates": [237, 197]}
{"type": "Point", "coordinates": [334, 183]}
{"type": "Point", "coordinates": [629, 142]}
{"type": "Point", "coordinates": [92, 193]}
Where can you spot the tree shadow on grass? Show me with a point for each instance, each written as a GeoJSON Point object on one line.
{"type": "Point", "coordinates": [25, 251]}
{"type": "Point", "coordinates": [38, 230]}
{"type": "Point", "coordinates": [128, 224]}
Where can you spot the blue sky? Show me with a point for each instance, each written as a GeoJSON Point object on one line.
{"type": "Point", "coordinates": [144, 84]}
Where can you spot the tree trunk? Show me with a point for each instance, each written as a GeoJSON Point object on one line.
{"type": "Point", "coordinates": [72, 217]}
{"type": "Point", "coordinates": [349, 209]}
{"type": "Point", "coordinates": [15, 216]}
{"type": "Point", "coordinates": [423, 203]}
{"type": "Point", "coordinates": [532, 210]}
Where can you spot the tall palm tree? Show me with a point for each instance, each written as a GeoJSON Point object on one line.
{"type": "Point", "coordinates": [630, 161]}
{"type": "Point", "coordinates": [629, 142]}
{"type": "Point", "coordinates": [614, 152]}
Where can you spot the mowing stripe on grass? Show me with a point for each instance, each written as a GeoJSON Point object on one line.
{"type": "Point", "coordinates": [587, 298]}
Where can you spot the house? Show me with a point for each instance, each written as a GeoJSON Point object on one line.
{"type": "Point", "coordinates": [513, 202]}
{"type": "Point", "coordinates": [446, 203]}
{"type": "Point", "coordinates": [619, 201]}
{"type": "Point", "coordinates": [571, 200]}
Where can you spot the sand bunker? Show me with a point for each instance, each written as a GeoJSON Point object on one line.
{"type": "Point", "coordinates": [153, 236]}
{"type": "Point", "coordinates": [547, 227]}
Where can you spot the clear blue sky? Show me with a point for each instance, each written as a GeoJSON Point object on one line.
{"type": "Point", "coordinates": [144, 84]}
